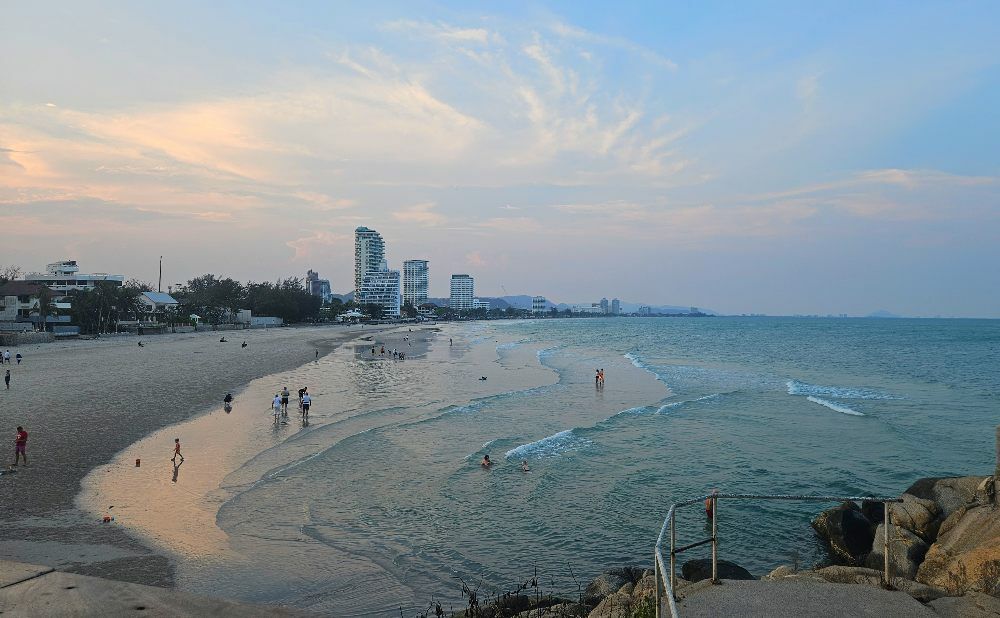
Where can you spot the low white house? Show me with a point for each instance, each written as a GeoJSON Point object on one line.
{"type": "Point", "coordinates": [154, 304]}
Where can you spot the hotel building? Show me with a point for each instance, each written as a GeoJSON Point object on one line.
{"type": "Point", "coordinates": [369, 253]}
{"type": "Point", "coordinates": [462, 292]}
{"type": "Point", "coordinates": [415, 282]}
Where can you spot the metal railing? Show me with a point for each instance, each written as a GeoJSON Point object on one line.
{"type": "Point", "coordinates": [668, 585]}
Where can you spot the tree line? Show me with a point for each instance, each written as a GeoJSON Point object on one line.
{"type": "Point", "coordinates": [218, 301]}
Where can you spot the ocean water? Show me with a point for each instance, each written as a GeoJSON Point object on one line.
{"type": "Point", "coordinates": [389, 508]}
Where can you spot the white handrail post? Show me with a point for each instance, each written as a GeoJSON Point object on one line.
{"type": "Point", "coordinates": [885, 543]}
{"type": "Point", "coordinates": [715, 543]}
{"type": "Point", "coordinates": [673, 555]}
{"type": "Point", "coordinates": [657, 575]}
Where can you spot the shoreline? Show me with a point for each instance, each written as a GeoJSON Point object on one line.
{"type": "Point", "coordinates": [78, 423]}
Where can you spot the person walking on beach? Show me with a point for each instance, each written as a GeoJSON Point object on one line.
{"type": "Point", "coordinates": [6, 356]}
{"type": "Point", "coordinates": [306, 402]}
{"type": "Point", "coordinates": [6, 379]}
{"type": "Point", "coordinates": [276, 405]}
{"type": "Point", "coordinates": [284, 400]}
{"type": "Point", "coordinates": [20, 444]}
{"type": "Point", "coordinates": [177, 451]}
{"type": "Point", "coordinates": [19, 357]}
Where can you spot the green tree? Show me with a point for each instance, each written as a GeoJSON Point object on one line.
{"type": "Point", "coordinates": [374, 311]}
{"type": "Point", "coordinates": [46, 307]}
{"type": "Point", "coordinates": [408, 310]}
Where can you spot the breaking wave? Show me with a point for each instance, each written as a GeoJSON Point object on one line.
{"type": "Point", "coordinates": [837, 392]}
{"type": "Point", "coordinates": [556, 444]}
{"type": "Point", "coordinates": [834, 406]}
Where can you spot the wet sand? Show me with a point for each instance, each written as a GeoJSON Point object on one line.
{"type": "Point", "coordinates": [84, 401]}
{"type": "Point", "coordinates": [178, 509]}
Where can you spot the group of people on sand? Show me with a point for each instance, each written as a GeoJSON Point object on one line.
{"type": "Point", "coordinates": [280, 403]}
{"type": "Point", "coordinates": [6, 358]}
{"type": "Point", "coordinates": [599, 378]}
{"type": "Point", "coordinates": [488, 463]}
{"type": "Point", "coordinates": [396, 354]}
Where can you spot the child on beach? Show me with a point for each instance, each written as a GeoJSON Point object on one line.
{"type": "Point", "coordinates": [20, 444]}
{"type": "Point", "coordinates": [177, 451]}
{"type": "Point", "coordinates": [6, 378]}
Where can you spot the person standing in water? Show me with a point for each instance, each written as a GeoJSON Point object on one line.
{"type": "Point", "coordinates": [276, 406]}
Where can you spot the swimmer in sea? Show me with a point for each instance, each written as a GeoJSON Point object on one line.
{"type": "Point", "coordinates": [524, 466]}
{"type": "Point", "coordinates": [486, 463]}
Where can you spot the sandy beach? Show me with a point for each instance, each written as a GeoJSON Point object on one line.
{"type": "Point", "coordinates": [84, 401]}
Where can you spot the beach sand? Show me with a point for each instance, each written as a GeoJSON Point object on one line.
{"type": "Point", "coordinates": [84, 401]}
{"type": "Point", "coordinates": [178, 510]}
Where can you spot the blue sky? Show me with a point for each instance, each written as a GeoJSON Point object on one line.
{"type": "Point", "coordinates": [780, 157]}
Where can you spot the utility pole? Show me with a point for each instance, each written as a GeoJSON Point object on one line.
{"type": "Point", "coordinates": [159, 282]}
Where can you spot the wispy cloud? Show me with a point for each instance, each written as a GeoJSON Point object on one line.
{"type": "Point", "coordinates": [421, 214]}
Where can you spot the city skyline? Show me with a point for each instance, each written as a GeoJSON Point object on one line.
{"type": "Point", "coordinates": [764, 159]}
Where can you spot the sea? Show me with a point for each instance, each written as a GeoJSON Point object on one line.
{"type": "Point", "coordinates": [382, 508]}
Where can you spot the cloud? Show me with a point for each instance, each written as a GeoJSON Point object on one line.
{"type": "Point", "coordinates": [315, 242]}
{"type": "Point", "coordinates": [422, 214]}
{"type": "Point", "coordinates": [474, 258]}
{"type": "Point", "coordinates": [442, 31]}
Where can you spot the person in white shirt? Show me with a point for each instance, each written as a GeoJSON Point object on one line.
{"type": "Point", "coordinates": [276, 404]}
{"type": "Point", "coordinates": [306, 402]}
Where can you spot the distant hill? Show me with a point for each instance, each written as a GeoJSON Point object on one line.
{"type": "Point", "coordinates": [882, 313]}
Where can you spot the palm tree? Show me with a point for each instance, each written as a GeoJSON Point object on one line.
{"type": "Point", "coordinates": [46, 307]}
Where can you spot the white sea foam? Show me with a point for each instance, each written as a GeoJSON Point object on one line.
{"type": "Point", "coordinates": [551, 446]}
{"type": "Point", "coordinates": [665, 408]}
{"type": "Point", "coordinates": [834, 406]}
{"type": "Point", "coordinates": [641, 364]}
{"type": "Point", "coordinates": [837, 392]}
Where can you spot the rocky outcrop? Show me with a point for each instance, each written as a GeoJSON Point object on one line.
{"type": "Point", "coordinates": [701, 568]}
{"type": "Point", "coordinates": [906, 551]}
{"type": "Point", "coordinates": [972, 605]}
{"type": "Point", "coordinates": [847, 532]}
{"type": "Point", "coordinates": [610, 582]}
{"type": "Point", "coordinates": [949, 493]}
{"type": "Point", "coordinates": [966, 555]}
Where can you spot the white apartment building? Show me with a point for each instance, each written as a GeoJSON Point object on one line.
{"type": "Point", "coordinates": [369, 253]}
{"type": "Point", "coordinates": [381, 287]}
{"type": "Point", "coordinates": [462, 292]}
{"type": "Point", "coordinates": [616, 307]}
{"type": "Point", "coordinates": [415, 281]}
{"type": "Point", "coordinates": [480, 304]}
{"type": "Point", "coordinates": [64, 276]}
{"type": "Point", "coordinates": [538, 304]}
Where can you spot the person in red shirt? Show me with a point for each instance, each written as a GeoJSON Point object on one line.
{"type": "Point", "coordinates": [20, 444]}
{"type": "Point", "coordinates": [177, 451]}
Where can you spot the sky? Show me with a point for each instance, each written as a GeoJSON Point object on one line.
{"type": "Point", "coordinates": [763, 157]}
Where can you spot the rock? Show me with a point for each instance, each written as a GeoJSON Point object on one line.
{"type": "Point", "coordinates": [918, 515]}
{"type": "Point", "coordinates": [559, 610]}
{"type": "Point", "coordinates": [971, 605]}
{"type": "Point", "coordinates": [906, 552]}
{"type": "Point", "coordinates": [610, 582]}
{"type": "Point", "coordinates": [873, 577]}
{"type": "Point", "coordinates": [627, 589]}
{"type": "Point", "coordinates": [701, 568]}
{"type": "Point", "coordinates": [949, 493]}
{"type": "Point", "coordinates": [645, 587]}
{"type": "Point", "coordinates": [616, 605]}
{"type": "Point", "coordinates": [966, 556]}
{"type": "Point", "coordinates": [847, 531]}
{"type": "Point", "coordinates": [780, 572]}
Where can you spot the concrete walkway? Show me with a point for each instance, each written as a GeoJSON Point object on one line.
{"type": "Point", "coordinates": [31, 590]}
{"type": "Point", "coordinates": [795, 598]}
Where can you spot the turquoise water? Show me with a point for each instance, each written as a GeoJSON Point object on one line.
{"type": "Point", "coordinates": [743, 405]}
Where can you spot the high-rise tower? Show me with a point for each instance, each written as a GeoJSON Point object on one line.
{"type": "Point", "coordinates": [369, 253]}
{"type": "Point", "coordinates": [415, 282]}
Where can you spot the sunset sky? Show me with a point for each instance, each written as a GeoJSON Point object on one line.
{"type": "Point", "coordinates": [744, 157]}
